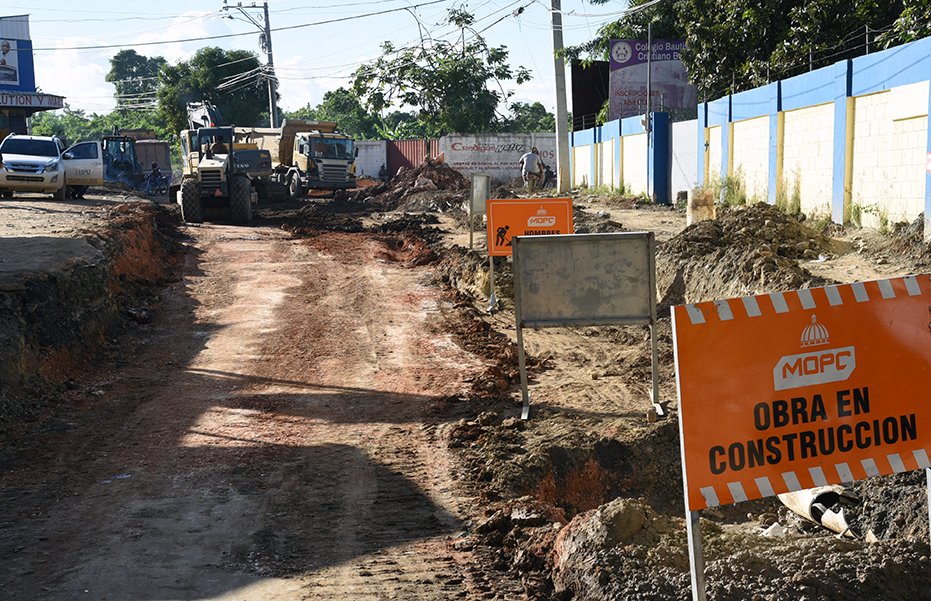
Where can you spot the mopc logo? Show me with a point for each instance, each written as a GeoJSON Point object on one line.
{"type": "Point", "coordinates": [816, 366]}
{"type": "Point", "coordinates": [541, 219]}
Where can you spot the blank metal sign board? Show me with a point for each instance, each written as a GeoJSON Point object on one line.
{"type": "Point", "coordinates": [584, 280]}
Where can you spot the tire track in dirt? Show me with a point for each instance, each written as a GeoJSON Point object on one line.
{"type": "Point", "coordinates": [269, 437]}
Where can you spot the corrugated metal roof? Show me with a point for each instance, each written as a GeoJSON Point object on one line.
{"type": "Point", "coordinates": [14, 28]}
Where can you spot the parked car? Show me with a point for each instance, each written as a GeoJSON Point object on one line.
{"type": "Point", "coordinates": [32, 164]}
{"type": "Point", "coordinates": [43, 164]}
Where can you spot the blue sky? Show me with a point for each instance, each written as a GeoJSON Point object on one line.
{"type": "Point", "coordinates": [311, 56]}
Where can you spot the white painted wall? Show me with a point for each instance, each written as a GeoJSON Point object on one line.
{"type": "Point", "coordinates": [808, 157]}
{"type": "Point", "coordinates": [890, 136]}
{"type": "Point", "coordinates": [683, 160]}
{"type": "Point", "coordinates": [751, 157]}
{"type": "Point", "coordinates": [634, 158]}
{"type": "Point", "coordinates": [372, 155]}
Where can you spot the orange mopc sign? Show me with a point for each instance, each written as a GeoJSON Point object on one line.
{"type": "Point", "coordinates": [509, 217]}
{"type": "Point", "coordinates": [792, 390]}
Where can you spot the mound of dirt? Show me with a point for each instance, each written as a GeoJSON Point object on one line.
{"type": "Point", "coordinates": [745, 251]}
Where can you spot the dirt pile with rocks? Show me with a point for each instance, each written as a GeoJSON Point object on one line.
{"type": "Point", "coordinates": [743, 252]}
{"type": "Point", "coordinates": [432, 186]}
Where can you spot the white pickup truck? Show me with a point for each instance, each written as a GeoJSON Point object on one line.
{"type": "Point", "coordinates": [42, 164]}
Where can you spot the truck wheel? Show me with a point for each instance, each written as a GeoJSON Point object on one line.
{"type": "Point", "coordinates": [61, 193]}
{"type": "Point", "coordinates": [192, 207]}
{"type": "Point", "coordinates": [240, 199]}
{"type": "Point", "coordinates": [295, 187]}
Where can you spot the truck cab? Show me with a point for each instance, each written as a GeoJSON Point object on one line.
{"type": "Point", "coordinates": [322, 160]}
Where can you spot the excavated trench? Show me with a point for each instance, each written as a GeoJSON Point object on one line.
{"type": "Point", "coordinates": [55, 319]}
{"type": "Point", "coordinates": [581, 501]}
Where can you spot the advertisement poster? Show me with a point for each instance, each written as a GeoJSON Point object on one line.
{"type": "Point", "coordinates": [671, 90]}
{"type": "Point", "coordinates": [496, 155]}
{"type": "Point", "coordinates": [9, 63]}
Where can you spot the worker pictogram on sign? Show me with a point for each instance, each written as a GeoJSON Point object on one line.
{"type": "Point", "coordinates": [792, 390]}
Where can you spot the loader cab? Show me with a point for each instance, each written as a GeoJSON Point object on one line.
{"type": "Point", "coordinates": [212, 141]}
{"type": "Point", "coordinates": [120, 157]}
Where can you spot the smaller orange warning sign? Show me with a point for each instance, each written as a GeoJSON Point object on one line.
{"type": "Point", "coordinates": [509, 217]}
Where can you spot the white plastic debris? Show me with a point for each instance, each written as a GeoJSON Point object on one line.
{"type": "Point", "coordinates": [775, 530]}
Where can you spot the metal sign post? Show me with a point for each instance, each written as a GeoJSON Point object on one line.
{"type": "Point", "coordinates": [481, 186]}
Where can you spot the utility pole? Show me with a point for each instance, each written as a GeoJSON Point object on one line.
{"type": "Point", "coordinates": [563, 175]}
{"type": "Point", "coordinates": [648, 118]}
{"type": "Point", "coordinates": [266, 41]}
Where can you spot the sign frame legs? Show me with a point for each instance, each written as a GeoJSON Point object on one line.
{"type": "Point", "coordinates": [654, 392]}
{"type": "Point", "coordinates": [522, 359]}
{"type": "Point", "coordinates": [697, 561]}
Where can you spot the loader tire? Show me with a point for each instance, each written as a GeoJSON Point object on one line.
{"type": "Point", "coordinates": [192, 206]}
{"type": "Point", "coordinates": [240, 199]}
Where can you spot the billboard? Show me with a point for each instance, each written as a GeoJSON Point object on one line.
{"type": "Point", "coordinates": [497, 154]}
{"type": "Point", "coordinates": [9, 63]}
{"type": "Point", "coordinates": [670, 87]}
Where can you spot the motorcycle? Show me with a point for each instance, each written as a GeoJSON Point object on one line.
{"type": "Point", "coordinates": [549, 178]}
{"type": "Point", "coordinates": [532, 181]}
{"type": "Point", "coordinates": [155, 183]}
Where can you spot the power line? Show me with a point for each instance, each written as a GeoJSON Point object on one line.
{"type": "Point", "coordinates": [236, 35]}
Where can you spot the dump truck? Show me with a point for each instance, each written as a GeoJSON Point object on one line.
{"type": "Point", "coordinates": [306, 155]}
{"type": "Point", "coordinates": [149, 149]}
{"type": "Point", "coordinates": [216, 172]}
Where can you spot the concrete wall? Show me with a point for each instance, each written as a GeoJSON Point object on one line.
{"type": "Point", "coordinates": [372, 155]}
{"type": "Point", "coordinates": [849, 136]}
{"type": "Point", "coordinates": [497, 155]}
{"type": "Point", "coordinates": [581, 166]}
{"type": "Point", "coordinates": [634, 168]}
{"type": "Point", "coordinates": [751, 156]}
{"type": "Point", "coordinates": [890, 137]}
{"type": "Point", "coordinates": [808, 157]}
{"type": "Point", "coordinates": [714, 152]}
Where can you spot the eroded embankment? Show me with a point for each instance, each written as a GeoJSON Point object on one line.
{"type": "Point", "coordinates": [70, 296]}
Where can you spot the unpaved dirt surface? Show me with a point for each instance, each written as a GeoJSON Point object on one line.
{"type": "Point", "coordinates": [320, 405]}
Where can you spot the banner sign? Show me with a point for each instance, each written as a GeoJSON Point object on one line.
{"type": "Point", "coordinates": [669, 81]}
{"type": "Point", "coordinates": [793, 390]}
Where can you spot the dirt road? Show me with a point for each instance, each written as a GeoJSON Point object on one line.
{"type": "Point", "coordinates": [268, 436]}
{"type": "Point", "coordinates": [309, 416]}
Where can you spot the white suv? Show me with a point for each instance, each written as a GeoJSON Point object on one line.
{"type": "Point", "coordinates": [32, 164]}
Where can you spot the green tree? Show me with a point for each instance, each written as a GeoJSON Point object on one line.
{"type": "Point", "coordinates": [448, 84]}
{"type": "Point", "coordinates": [913, 24]}
{"type": "Point", "coordinates": [400, 125]}
{"type": "Point", "coordinates": [732, 45]}
{"type": "Point", "coordinates": [232, 79]}
{"type": "Point", "coordinates": [529, 118]}
{"type": "Point", "coordinates": [135, 78]}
